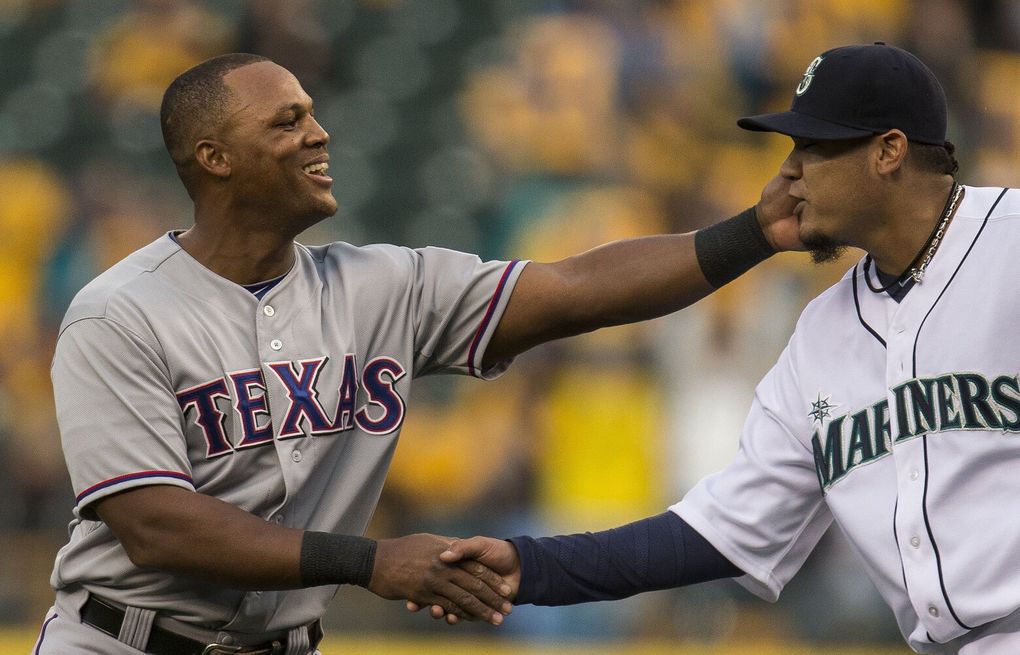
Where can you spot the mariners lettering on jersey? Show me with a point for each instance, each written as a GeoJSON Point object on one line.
{"type": "Point", "coordinates": [954, 401]}
{"type": "Point", "coordinates": [304, 415]}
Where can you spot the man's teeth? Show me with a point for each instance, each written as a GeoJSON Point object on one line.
{"type": "Point", "coordinates": [316, 169]}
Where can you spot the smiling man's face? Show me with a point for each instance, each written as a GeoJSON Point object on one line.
{"type": "Point", "coordinates": [277, 150]}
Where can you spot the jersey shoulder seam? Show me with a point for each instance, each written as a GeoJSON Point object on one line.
{"type": "Point", "coordinates": [103, 296]}
{"type": "Point", "coordinates": [308, 251]}
{"type": "Point", "coordinates": [157, 350]}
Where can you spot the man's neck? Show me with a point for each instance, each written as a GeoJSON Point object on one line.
{"type": "Point", "coordinates": [242, 256]}
{"type": "Point", "coordinates": [908, 227]}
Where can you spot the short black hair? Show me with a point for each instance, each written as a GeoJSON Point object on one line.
{"type": "Point", "coordinates": [194, 101]}
{"type": "Point", "coordinates": [935, 159]}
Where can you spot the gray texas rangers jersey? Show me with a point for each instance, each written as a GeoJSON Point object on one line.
{"type": "Point", "coordinates": [901, 422]}
{"type": "Point", "coordinates": [288, 407]}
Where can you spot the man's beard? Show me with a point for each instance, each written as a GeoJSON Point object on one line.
{"type": "Point", "coordinates": [823, 249]}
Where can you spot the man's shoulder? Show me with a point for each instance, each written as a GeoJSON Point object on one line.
{"type": "Point", "coordinates": [995, 203]}
{"type": "Point", "coordinates": [381, 253]}
{"type": "Point", "coordinates": [376, 261]}
{"type": "Point", "coordinates": [344, 251]}
{"type": "Point", "coordinates": [127, 279]}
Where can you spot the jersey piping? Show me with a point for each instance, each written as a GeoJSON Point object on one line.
{"type": "Point", "coordinates": [924, 439]}
{"type": "Point", "coordinates": [860, 317]}
{"type": "Point", "coordinates": [128, 477]}
{"type": "Point", "coordinates": [896, 540]}
{"type": "Point", "coordinates": [490, 310]}
{"type": "Point", "coordinates": [42, 634]}
{"type": "Point", "coordinates": [260, 289]}
{"type": "Point", "coordinates": [892, 285]}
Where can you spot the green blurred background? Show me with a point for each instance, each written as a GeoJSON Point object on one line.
{"type": "Point", "coordinates": [530, 129]}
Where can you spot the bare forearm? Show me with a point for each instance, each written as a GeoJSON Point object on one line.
{"type": "Point", "coordinates": [614, 284]}
{"type": "Point", "coordinates": [201, 537]}
{"type": "Point", "coordinates": [644, 278]}
{"type": "Point", "coordinates": [633, 280]}
{"type": "Point", "coordinates": [191, 534]}
{"type": "Point", "coordinates": [625, 282]}
{"type": "Point", "coordinates": [639, 279]}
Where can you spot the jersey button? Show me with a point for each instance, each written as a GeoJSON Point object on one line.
{"type": "Point", "coordinates": [913, 474]}
{"type": "Point", "coordinates": [268, 310]}
{"type": "Point", "coordinates": [278, 518]}
{"type": "Point", "coordinates": [934, 611]}
{"type": "Point", "coordinates": [296, 455]}
{"type": "Point", "coordinates": [915, 542]}
{"type": "Point", "coordinates": [276, 344]}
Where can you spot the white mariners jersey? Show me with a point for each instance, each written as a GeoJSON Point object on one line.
{"type": "Point", "coordinates": [901, 422]}
{"type": "Point", "coordinates": [288, 407]}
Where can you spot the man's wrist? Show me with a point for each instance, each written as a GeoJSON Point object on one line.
{"type": "Point", "coordinates": [328, 558]}
{"type": "Point", "coordinates": [730, 248]}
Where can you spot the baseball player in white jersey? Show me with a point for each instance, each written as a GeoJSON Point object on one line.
{"type": "Point", "coordinates": [229, 401]}
{"type": "Point", "coordinates": [895, 408]}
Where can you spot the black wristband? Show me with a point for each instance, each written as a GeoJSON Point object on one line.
{"type": "Point", "coordinates": [729, 249]}
{"type": "Point", "coordinates": [328, 558]}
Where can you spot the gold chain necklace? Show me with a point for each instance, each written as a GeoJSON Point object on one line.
{"type": "Point", "coordinates": [928, 249]}
{"type": "Point", "coordinates": [947, 215]}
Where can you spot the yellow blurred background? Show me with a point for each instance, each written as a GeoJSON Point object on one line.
{"type": "Point", "coordinates": [510, 128]}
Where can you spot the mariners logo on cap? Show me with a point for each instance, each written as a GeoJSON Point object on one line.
{"type": "Point", "coordinates": [809, 75]}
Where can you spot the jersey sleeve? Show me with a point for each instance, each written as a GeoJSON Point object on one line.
{"type": "Point", "coordinates": [765, 512]}
{"type": "Point", "coordinates": [460, 300]}
{"type": "Point", "coordinates": [119, 420]}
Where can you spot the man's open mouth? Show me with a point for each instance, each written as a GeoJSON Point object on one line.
{"type": "Point", "coordinates": [316, 169]}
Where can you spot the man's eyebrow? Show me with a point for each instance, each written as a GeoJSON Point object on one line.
{"type": "Point", "coordinates": [296, 107]}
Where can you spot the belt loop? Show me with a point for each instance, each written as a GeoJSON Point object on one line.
{"type": "Point", "coordinates": [137, 625]}
{"type": "Point", "coordinates": [297, 641]}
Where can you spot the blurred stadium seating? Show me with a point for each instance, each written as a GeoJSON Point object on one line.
{"type": "Point", "coordinates": [527, 128]}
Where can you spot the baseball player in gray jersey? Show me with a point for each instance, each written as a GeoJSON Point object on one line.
{"type": "Point", "coordinates": [894, 410]}
{"type": "Point", "coordinates": [229, 400]}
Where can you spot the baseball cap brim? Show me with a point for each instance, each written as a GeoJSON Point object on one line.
{"type": "Point", "coordinates": [801, 126]}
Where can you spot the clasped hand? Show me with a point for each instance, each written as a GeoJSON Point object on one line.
{"type": "Point", "coordinates": [469, 579]}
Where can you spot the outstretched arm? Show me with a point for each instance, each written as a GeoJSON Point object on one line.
{"type": "Point", "coordinates": [186, 533]}
{"type": "Point", "coordinates": [660, 552]}
{"type": "Point", "coordinates": [638, 279]}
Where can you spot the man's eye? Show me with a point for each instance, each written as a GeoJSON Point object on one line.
{"type": "Point", "coordinates": [290, 123]}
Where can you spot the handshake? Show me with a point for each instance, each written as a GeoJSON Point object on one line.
{"type": "Point", "coordinates": [470, 579]}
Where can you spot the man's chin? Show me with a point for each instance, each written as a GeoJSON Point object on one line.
{"type": "Point", "coordinates": [326, 208]}
{"type": "Point", "coordinates": [315, 214]}
{"type": "Point", "coordinates": [827, 254]}
{"type": "Point", "coordinates": [330, 210]}
{"type": "Point", "coordinates": [823, 250]}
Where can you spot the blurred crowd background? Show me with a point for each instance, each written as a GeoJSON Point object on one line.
{"type": "Point", "coordinates": [524, 128]}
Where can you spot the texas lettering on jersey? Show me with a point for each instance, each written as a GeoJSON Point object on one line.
{"type": "Point", "coordinates": [954, 401]}
{"type": "Point", "coordinates": [304, 414]}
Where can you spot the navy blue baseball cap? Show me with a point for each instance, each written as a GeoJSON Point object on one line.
{"type": "Point", "coordinates": [860, 90]}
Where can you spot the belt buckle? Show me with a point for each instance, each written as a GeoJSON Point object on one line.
{"type": "Point", "coordinates": [221, 649]}
{"type": "Point", "coordinates": [274, 648]}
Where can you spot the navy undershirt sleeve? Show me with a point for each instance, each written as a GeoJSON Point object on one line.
{"type": "Point", "coordinates": [660, 552]}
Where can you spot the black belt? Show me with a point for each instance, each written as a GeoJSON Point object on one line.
{"type": "Point", "coordinates": [103, 616]}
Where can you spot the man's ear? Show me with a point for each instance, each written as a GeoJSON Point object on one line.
{"type": "Point", "coordinates": [213, 157]}
{"type": "Point", "coordinates": [892, 153]}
